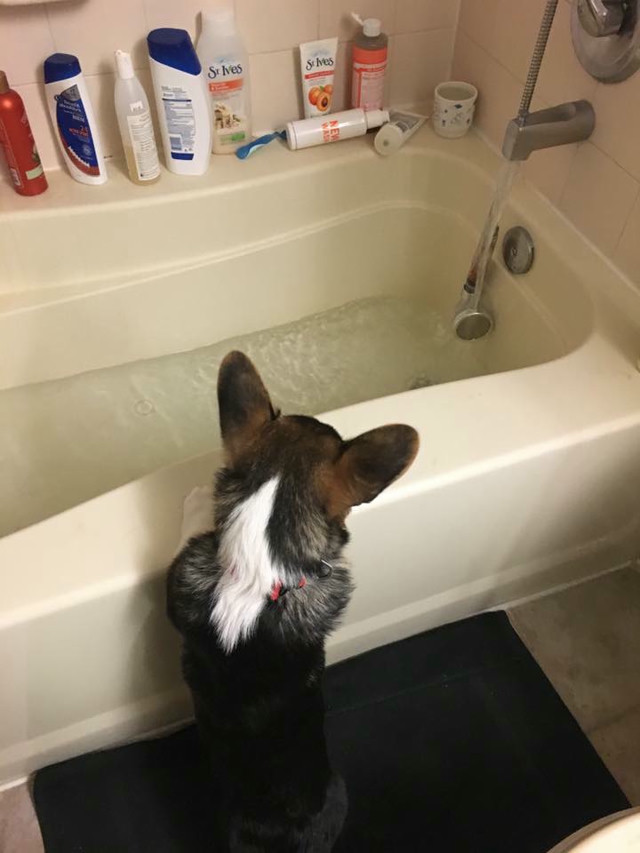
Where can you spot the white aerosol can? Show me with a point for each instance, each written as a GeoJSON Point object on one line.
{"type": "Point", "coordinates": [332, 128]}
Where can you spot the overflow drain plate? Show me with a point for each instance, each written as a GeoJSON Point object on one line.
{"type": "Point", "coordinates": [518, 251]}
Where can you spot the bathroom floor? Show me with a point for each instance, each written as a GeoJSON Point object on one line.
{"type": "Point", "coordinates": [587, 641]}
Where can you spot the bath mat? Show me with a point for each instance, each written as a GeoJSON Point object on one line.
{"type": "Point", "coordinates": [450, 740]}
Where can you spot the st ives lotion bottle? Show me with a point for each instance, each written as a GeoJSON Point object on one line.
{"type": "Point", "coordinates": [181, 98]}
{"type": "Point", "coordinates": [225, 66]}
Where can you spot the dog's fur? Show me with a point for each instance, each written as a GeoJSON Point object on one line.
{"type": "Point", "coordinates": [253, 652]}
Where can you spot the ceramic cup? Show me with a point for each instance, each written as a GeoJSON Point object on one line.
{"type": "Point", "coordinates": [453, 108]}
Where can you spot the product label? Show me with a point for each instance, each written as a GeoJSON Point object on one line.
{"type": "Point", "coordinates": [11, 157]}
{"type": "Point", "coordinates": [225, 81]}
{"type": "Point", "coordinates": [28, 165]}
{"type": "Point", "coordinates": [318, 69]}
{"type": "Point", "coordinates": [74, 130]}
{"type": "Point", "coordinates": [367, 83]}
{"type": "Point", "coordinates": [330, 131]}
{"type": "Point", "coordinates": [143, 144]}
{"type": "Point", "coordinates": [37, 169]}
{"type": "Point", "coordinates": [181, 122]}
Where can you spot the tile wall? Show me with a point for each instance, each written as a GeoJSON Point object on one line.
{"type": "Point", "coordinates": [595, 184]}
{"type": "Point", "coordinates": [421, 47]}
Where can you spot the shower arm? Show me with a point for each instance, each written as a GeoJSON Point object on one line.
{"type": "Point", "coordinates": [559, 125]}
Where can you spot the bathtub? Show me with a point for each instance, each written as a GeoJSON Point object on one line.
{"type": "Point", "coordinates": [528, 472]}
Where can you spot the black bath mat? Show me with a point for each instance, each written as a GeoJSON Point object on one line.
{"type": "Point", "coordinates": [453, 741]}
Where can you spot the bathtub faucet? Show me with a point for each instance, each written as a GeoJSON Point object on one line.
{"type": "Point", "coordinates": [560, 125]}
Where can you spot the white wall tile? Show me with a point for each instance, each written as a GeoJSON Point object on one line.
{"type": "Point", "coordinates": [562, 78]}
{"type": "Point", "coordinates": [506, 29]}
{"type": "Point", "coordinates": [617, 130]}
{"type": "Point", "coordinates": [184, 15]}
{"type": "Point", "coordinates": [93, 29]}
{"type": "Point", "coordinates": [627, 253]}
{"type": "Point", "coordinates": [335, 16]}
{"type": "Point", "coordinates": [548, 170]}
{"type": "Point", "coordinates": [598, 197]}
{"type": "Point", "coordinates": [420, 61]}
{"type": "Point", "coordinates": [278, 24]}
{"type": "Point", "coordinates": [498, 90]}
{"type": "Point", "coordinates": [25, 42]}
{"type": "Point", "coordinates": [275, 89]}
{"type": "Point", "coordinates": [414, 15]}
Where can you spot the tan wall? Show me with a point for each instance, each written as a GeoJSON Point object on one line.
{"type": "Point", "coordinates": [595, 184]}
{"type": "Point", "coordinates": [422, 34]}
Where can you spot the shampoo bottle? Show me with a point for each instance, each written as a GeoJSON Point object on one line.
{"type": "Point", "coordinates": [225, 66]}
{"type": "Point", "coordinates": [182, 101]}
{"type": "Point", "coordinates": [73, 120]}
{"type": "Point", "coordinates": [17, 142]}
{"type": "Point", "coordinates": [134, 122]}
{"type": "Point", "coordinates": [369, 64]}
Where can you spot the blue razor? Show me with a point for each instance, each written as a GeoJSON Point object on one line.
{"type": "Point", "coordinates": [243, 152]}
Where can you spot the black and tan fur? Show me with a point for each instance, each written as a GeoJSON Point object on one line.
{"type": "Point", "coordinates": [258, 697]}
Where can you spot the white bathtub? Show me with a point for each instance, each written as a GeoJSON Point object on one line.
{"type": "Point", "coordinates": [527, 476]}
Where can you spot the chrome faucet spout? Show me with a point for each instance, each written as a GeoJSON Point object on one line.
{"type": "Point", "coordinates": [573, 121]}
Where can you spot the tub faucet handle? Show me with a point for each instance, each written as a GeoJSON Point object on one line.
{"type": "Point", "coordinates": [601, 17]}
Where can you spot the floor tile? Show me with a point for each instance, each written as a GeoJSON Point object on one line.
{"type": "Point", "coordinates": [19, 830]}
{"type": "Point", "coordinates": [587, 640]}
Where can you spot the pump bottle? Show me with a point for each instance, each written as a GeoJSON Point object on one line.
{"type": "Point", "coordinates": [135, 124]}
{"type": "Point", "coordinates": [369, 64]}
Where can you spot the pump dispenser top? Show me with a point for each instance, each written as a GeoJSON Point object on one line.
{"type": "Point", "coordinates": [124, 65]}
{"type": "Point", "coordinates": [371, 27]}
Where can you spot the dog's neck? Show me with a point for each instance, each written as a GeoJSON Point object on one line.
{"type": "Point", "coordinates": [252, 576]}
{"type": "Point", "coordinates": [249, 571]}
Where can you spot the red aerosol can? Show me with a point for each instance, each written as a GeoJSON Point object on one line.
{"type": "Point", "coordinates": [18, 143]}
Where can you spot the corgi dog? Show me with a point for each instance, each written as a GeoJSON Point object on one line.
{"type": "Point", "coordinates": [254, 598]}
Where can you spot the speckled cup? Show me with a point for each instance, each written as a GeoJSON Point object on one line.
{"type": "Point", "coordinates": [453, 108]}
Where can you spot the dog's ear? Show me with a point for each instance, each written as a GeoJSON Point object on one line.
{"type": "Point", "coordinates": [243, 402]}
{"type": "Point", "coordinates": [371, 462]}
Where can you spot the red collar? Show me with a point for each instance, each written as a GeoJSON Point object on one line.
{"type": "Point", "coordinates": [279, 589]}
{"type": "Point", "coordinates": [321, 569]}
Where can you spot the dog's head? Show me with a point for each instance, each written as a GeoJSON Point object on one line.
{"type": "Point", "coordinates": [288, 484]}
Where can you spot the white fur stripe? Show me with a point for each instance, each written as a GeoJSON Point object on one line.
{"type": "Point", "coordinates": [248, 570]}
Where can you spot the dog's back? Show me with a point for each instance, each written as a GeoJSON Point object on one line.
{"type": "Point", "coordinates": [260, 712]}
{"type": "Point", "coordinates": [255, 600]}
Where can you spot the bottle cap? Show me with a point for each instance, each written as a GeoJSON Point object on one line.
{"type": "Point", "coordinates": [388, 139]}
{"type": "Point", "coordinates": [124, 66]}
{"type": "Point", "coordinates": [371, 27]}
{"type": "Point", "coordinates": [60, 66]}
{"type": "Point", "coordinates": [221, 19]}
{"type": "Point", "coordinates": [174, 48]}
{"type": "Point", "coordinates": [374, 118]}
{"type": "Point", "coordinates": [4, 83]}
